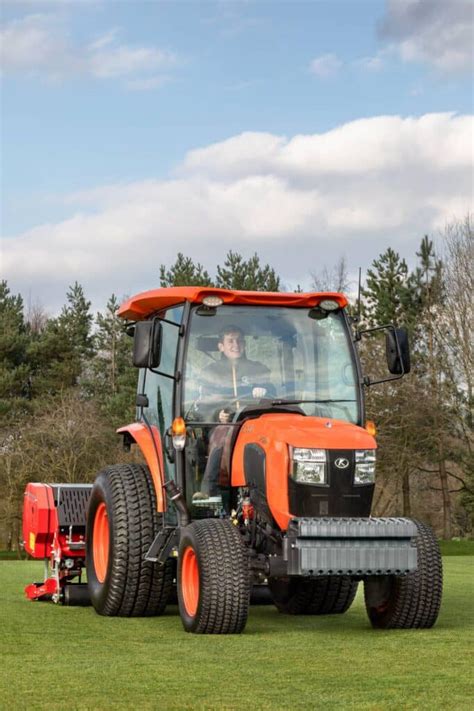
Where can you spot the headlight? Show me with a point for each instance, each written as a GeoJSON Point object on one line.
{"type": "Point", "coordinates": [364, 466]}
{"type": "Point", "coordinates": [308, 466]}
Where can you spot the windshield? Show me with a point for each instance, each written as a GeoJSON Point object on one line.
{"type": "Point", "coordinates": [242, 355]}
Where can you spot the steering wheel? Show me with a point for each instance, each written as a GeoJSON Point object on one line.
{"type": "Point", "coordinates": [245, 399]}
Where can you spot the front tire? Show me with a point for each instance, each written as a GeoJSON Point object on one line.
{"type": "Point", "coordinates": [122, 523]}
{"type": "Point", "coordinates": [213, 578]}
{"type": "Point", "coordinates": [413, 600]}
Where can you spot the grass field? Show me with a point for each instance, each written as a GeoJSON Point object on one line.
{"type": "Point", "coordinates": [56, 657]}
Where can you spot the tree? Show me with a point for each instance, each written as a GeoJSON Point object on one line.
{"type": "Point", "coordinates": [335, 279]}
{"type": "Point", "coordinates": [390, 293]}
{"type": "Point", "coordinates": [14, 369]}
{"type": "Point", "coordinates": [67, 440]}
{"type": "Point", "coordinates": [247, 275]}
{"type": "Point", "coordinates": [392, 296]}
{"type": "Point", "coordinates": [459, 317]}
{"type": "Point", "coordinates": [459, 305]}
{"type": "Point", "coordinates": [114, 377]}
{"type": "Point", "coordinates": [36, 317]}
{"type": "Point", "coordinates": [76, 321]}
{"type": "Point", "coordinates": [434, 427]}
{"type": "Point", "coordinates": [62, 351]}
{"type": "Point", "coordinates": [184, 273]}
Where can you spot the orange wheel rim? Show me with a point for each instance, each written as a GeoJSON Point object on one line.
{"type": "Point", "coordinates": [100, 542]}
{"type": "Point", "coordinates": [190, 581]}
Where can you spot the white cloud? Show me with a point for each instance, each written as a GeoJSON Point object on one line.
{"type": "Point", "coordinates": [325, 66]}
{"type": "Point", "coordinates": [371, 64]}
{"type": "Point", "coordinates": [39, 45]}
{"type": "Point", "coordinates": [111, 62]}
{"type": "Point", "coordinates": [32, 42]}
{"type": "Point", "coordinates": [436, 32]}
{"type": "Point", "coordinates": [249, 152]}
{"type": "Point", "coordinates": [300, 202]}
{"type": "Point", "coordinates": [376, 144]}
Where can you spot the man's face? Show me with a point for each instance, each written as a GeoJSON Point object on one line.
{"type": "Point", "coordinates": [232, 345]}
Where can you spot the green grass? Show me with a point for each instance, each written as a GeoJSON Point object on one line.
{"type": "Point", "coordinates": [13, 555]}
{"type": "Point", "coordinates": [55, 657]}
{"type": "Point", "coordinates": [461, 547]}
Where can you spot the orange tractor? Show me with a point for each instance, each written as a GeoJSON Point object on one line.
{"type": "Point", "coordinates": [260, 470]}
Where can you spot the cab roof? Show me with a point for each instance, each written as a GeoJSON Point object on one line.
{"type": "Point", "coordinates": [143, 305]}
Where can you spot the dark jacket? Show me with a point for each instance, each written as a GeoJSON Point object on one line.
{"type": "Point", "coordinates": [218, 381]}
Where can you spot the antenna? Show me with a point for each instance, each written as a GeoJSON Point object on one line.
{"type": "Point", "coordinates": [358, 295]}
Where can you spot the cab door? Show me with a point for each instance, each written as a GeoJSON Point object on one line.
{"type": "Point", "coordinates": [159, 385]}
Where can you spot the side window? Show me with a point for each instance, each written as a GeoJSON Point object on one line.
{"type": "Point", "coordinates": [158, 388]}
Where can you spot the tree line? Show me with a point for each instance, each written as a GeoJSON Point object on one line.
{"type": "Point", "coordinates": [66, 382]}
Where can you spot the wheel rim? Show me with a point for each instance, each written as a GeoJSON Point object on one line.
{"type": "Point", "coordinates": [100, 542]}
{"type": "Point", "coordinates": [190, 581]}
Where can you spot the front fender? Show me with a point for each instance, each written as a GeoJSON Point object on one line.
{"type": "Point", "coordinates": [150, 447]}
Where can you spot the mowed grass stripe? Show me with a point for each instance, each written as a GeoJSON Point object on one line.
{"type": "Point", "coordinates": [56, 657]}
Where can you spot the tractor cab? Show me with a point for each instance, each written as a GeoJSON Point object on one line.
{"type": "Point", "coordinates": [283, 361]}
{"type": "Point", "coordinates": [291, 354]}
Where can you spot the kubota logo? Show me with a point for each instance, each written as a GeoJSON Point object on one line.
{"type": "Point", "coordinates": [341, 463]}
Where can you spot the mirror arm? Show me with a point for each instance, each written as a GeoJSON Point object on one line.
{"type": "Point", "coordinates": [376, 328]}
{"type": "Point", "coordinates": [171, 323]}
{"type": "Point", "coordinates": [176, 377]}
{"type": "Point", "coordinates": [368, 382]}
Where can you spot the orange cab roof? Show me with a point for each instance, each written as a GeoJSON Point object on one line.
{"type": "Point", "coordinates": [142, 305]}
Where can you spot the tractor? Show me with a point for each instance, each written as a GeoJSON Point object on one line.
{"type": "Point", "coordinates": [259, 470]}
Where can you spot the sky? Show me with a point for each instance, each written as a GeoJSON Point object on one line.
{"type": "Point", "coordinates": [303, 131]}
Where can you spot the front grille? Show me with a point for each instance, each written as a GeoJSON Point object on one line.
{"type": "Point", "coordinates": [338, 498]}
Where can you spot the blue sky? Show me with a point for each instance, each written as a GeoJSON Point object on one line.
{"type": "Point", "coordinates": [105, 104]}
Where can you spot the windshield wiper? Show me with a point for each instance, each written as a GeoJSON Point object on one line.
{"type": "Point", "coordinates": [298, 402]}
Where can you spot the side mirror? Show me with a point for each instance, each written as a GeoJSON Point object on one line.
{"type": "Point", "coordinates": [397, 350]}
{"type": "Point", "coordinates": [147, 344]}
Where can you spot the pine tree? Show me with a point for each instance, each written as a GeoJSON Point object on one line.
{"type": "Point", "coordinates": [184, 273]}
{"type": "Point", "coordinates": [114, 377]}
{"type": "Point", "coordinates": [390, 294]}
{"type": "Point", "coordinates": [76, 322]}
{"type": "Point", "coordinates": [61, 352]}
{"type": "Point", "coordinates": [74, 326]}
{"type": "Point", "coordinates": [14, 369]}
{"type": "Point", "coordinates": [248, 275]}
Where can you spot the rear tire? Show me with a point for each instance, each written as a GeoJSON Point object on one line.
{"type": "Point", "coordinates": [413, 600]}
{"type": "Point", "coordinates": [213, 578]}
{"type": "Point", "coordinates": [328, 595]}
{"type": "Point", "coordinates": [122, 523]}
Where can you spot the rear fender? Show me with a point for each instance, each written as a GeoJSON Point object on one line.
{"type": "Point", "coordinates": [149, 447]}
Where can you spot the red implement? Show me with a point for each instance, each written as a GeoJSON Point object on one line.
{"type": "Point", "coordinates": [54, 529]}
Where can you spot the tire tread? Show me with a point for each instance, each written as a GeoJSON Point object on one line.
{"type": "Point", "coordinates": [136, 587]}
{"type": "Point", "coordinates": [415, 599]}
{"type": "Point", "coordinates": [224, 594]}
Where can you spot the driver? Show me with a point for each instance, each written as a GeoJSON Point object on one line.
{"type": "Point", "coordinates": [234, 376]}
{"type": "Point", "coordinates": [231, 377]}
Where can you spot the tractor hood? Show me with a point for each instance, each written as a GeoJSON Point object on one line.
{"type": "Point", "coordinates": [261, 460]}
{"type": "Point", "coordinates": [301, 431]}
